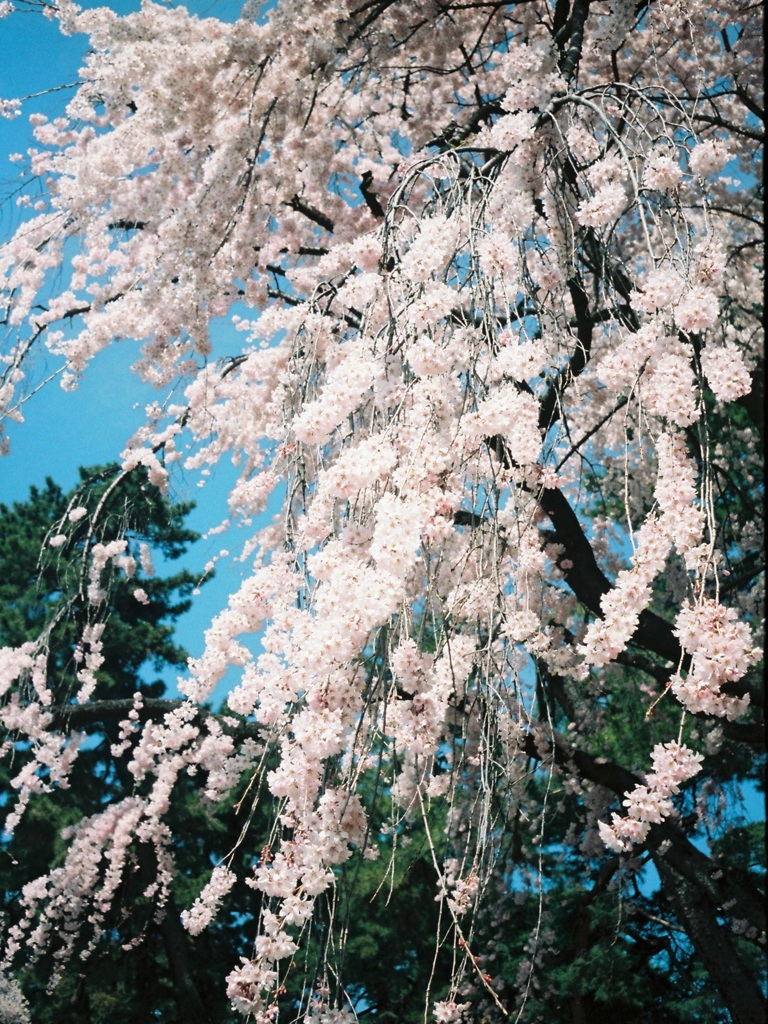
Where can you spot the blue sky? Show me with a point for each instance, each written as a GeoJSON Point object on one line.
{"type": "Point", "coordinates": [62, 430]}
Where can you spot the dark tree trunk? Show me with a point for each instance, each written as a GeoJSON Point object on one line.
{"type": "Point", "coordinates": [712, 942]}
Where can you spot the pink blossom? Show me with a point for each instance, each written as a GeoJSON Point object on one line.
{"type": "Point", "coordinates": [204, 908]}
{"type": "Point", "coordinates": [697, 310]}
{"type": "Point", "coordinates": [661, 288]}
{"type": "Point", "coordinates": [510, 130]}
{"type": "Point", "coordinates": [709, 157]}
{"type": "Point", "coordinates": [725, 371]}
{"type": "Point", "coordinates": [650, 804]}
{"type": "Point", "coordinates": [605, 205]}
{"type": "Point", "coordinates": [669, 388]}
{"type": "Point", "coordinates": [662, 172]}
{"type": "Point", "coordinates": [450, 1012]}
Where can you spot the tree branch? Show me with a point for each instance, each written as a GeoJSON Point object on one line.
{"type": "Point", "coordinates": [176, 944]}
{"type": "Point", "coordinates": [714, 946]}
{"type": "Point", "coordinates": [548, 410]}
{"type": "Point", "coordinates": [100, 711]}
{"type": "Point", "coordinates": [588, 582]}
{"type": "Point", "coordinates": [316, 216]}
{"type": "Point", "coordinates": [576, 25]}
{"type": "Point", "coordinates": [727, 891]}
{"type": "Point", "coordinates": [370, 197]}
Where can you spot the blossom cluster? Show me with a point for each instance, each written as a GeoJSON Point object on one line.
{"type": "Point", "coordinates": [721, 650]}
{"type": "Point", "coordinates": [203, 910]}
{"type": "Point", "coordinates": [673, 765]}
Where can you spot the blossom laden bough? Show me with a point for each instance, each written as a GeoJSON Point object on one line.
{"type": "Point", "coordinates": [492, 319]}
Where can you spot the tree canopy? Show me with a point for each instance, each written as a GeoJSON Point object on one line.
{"type": "Point", "coordinates": [497, 417]}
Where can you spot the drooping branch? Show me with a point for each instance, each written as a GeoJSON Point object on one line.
{"type": "Point", "coordinates": [549, 411]}
{"type": "Point", "coordinates": [589, 583]}
{"type": "Point", "coordinates": [74, 716]}
{"type": "Point", "coordinates": [722, 887]}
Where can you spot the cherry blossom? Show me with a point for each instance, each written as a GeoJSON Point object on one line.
{"type": "Point", "coordinates": [485, 275]}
